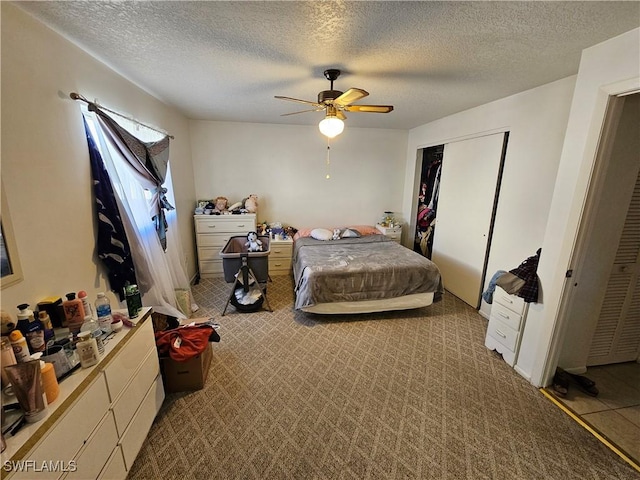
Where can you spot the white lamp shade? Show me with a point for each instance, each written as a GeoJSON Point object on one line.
{"type": "Point", "coordinates": [331, 126]}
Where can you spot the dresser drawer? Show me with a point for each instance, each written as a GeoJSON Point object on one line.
{"type": "Point", "coordinates": [67, 437]}
{"type": "Point", "coordinates": [212, 266]}
{"type": "Point", "coordinates": [209, 254]}
{"type": "Point", "coordinates": [214, 240]}
{"type": "Point", "coordinates": [125, 405]}
{"type": "Point", "coordinates": [227, 223]}
{"type": "Point", "coordinates": [119, 372]}
{"type": "Point", "coordinates": [114, 469]}
{"type": "Point", "coordinates": [506, 316]}
{"type": "Point", "coordinates": [512, 302]}
{"type": "Point", "coordinates": [279, 266]}
{"type": "Point", "coordinates": [93, 456]}
{"type": "Point", "coordinates": [279, 251]}
{"type": "Point", "coordinates": [135, 434]}
{"type": "Point", "coordinates": [502, 333]}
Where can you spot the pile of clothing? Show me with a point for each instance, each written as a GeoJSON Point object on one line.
{"type": "Point", "coordinates": [522, 281]}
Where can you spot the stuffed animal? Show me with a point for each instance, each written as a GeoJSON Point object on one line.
{"type": "Point", "coordinates": [336, 234]}
{"type": "Point", "coordinates": [221, 204]}
{"type": "Point", "coordinates": [8, 323]}
{"type": "Point", "coordinates": [253, 242]}
{"type": "Point", "coordinates": [251, 203]}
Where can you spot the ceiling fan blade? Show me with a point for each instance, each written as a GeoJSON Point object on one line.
{"type": "Point", "coordinates": [350, 96]}
{"type": "Point", "coordinates": [303, 111]}
{"type": "Point", "coordinates": [369, 108]}
{"type": "Point", "coordinates": [315, 104]}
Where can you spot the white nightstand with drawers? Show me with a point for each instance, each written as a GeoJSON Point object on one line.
{"type": "Point", "coordinates": [506, 324]}
{"type": "Point", "coordinates": [394, 233]}
{"type": "Point", "coordinates": [280, 252]}
{"type": "Point", "coordinates": [212, 234]}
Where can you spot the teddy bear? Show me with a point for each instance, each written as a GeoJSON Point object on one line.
{"type": "Point", "coordinates": [253, 242]}
{"type": "Point", "coordinates": [220, 205]}
{"type": "Point", "coordinates": [8, 323]}
{"type": "Point", "coordinates": [251, 203]}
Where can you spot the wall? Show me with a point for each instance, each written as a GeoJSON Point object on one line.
{"type": "Point", "coordinates": [45, 167]}
{"type": "Point", "coordinates": [536, 120]}
{"type": "Point", "coordinates": [285, 165]}
{"type": "Point", "coordinates": [607, 68]}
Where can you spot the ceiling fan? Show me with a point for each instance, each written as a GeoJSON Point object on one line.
{"type": "Point", "coordinates": [334, 103]}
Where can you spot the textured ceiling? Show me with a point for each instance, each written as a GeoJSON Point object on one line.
{"type": "Point", "coordinates": [226, 60]}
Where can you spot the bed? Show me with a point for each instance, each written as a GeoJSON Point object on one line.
{"type": "Point", "coordinates": [362, 274]}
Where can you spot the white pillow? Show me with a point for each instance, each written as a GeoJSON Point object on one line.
{"type": "Point", "coordinates": [350, 233]}
{"type": "Point", "coordinates": [321, 234]}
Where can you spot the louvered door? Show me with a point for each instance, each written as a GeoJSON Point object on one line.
{"type": "Point", "coordinates": [617, 335]}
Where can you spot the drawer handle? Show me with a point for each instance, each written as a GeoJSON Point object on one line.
{"type": "Point", "coordinates": [503, 315]}
{"type": "Point", "coordinates": [211, 226]}
{"type": "Point", "coordinates": [507, 299]}
{"type": "Point", "coordinates": [500, 333]}
{"type": "Point", "coordinates": [241, 226]}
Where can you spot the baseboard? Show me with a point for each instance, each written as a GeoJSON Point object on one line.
{"type": "Point", "coordinates": [522, 373]}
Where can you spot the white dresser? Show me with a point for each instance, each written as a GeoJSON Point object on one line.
{"type": "Point", "coordinates": [212, 234]}
{"type": "Point", "coordinates": [506, 324]}
{"type": "Point", "coordinates": [394, 233]}
{"type": "Point", "coordinates": [280, 252]}
{"type": "Point", "coordinates": [97, 425]}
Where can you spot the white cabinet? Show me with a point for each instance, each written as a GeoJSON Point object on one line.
{"type": "Point", "coordinates": [280, 252]}
{"type": "Point", "coordinates": [506, 323]}
{"type": "Point", "coordinates": [212, 234]}
{"type": "Point", "coordinates": [96, 427]}
{"type": "Point", "coordinates": [394, 233]}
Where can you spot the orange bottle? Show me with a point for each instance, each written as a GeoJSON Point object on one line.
{"type": "Point", "coordinates": [73, 312]}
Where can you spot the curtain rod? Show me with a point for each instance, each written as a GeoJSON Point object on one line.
{"type": "Point", "coordinates": [77, 96]}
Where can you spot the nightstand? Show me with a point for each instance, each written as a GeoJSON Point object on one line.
{"type": "Point", "coordinates": [280, 252]}
{"type": "Point", "coordinates": [506, 324]}
{"type": "Point", "coordinates": [394, 233]}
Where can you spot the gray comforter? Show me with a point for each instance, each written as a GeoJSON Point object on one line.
{"type": "Point", "coordinates": [365, 268]}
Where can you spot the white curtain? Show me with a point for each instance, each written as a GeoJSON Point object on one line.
{"type": "Point", "coordinates": [159, 273]}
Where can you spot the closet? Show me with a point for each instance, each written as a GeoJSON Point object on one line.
{"type": "Point", "coordinates": [467, 200]}
{"type": "Point", "coordinates": [617, 335]}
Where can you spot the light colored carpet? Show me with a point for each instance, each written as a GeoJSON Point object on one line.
{"type": "Point", "coordinates": [411, 394]}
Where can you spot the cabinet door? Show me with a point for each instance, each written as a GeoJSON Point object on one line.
{"type": "Point", "coordinates": [468, 191]}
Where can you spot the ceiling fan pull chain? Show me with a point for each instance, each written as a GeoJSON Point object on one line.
{"type": "Point", "coordinates": [328, 159]}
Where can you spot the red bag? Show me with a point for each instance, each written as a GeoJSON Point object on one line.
{"type": "Point", "coordinates": [184, 343]}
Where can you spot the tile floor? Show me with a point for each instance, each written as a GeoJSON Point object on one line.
{"type": "Point", "coordinates": [615, 412]}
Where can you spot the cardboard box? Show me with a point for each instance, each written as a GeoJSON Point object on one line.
{"type": "Point", "coordinates": [186, 376]}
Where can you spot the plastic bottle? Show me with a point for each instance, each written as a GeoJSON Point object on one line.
{"type": "Point", "coordinates": [103, 310]}
{"type": "Point", "coordinates": [90, 325]}
{"type": "Point", "coordinates": [7, 357]}
{"type": "Point", "coordinates": [48, 380]}
{"type": "Point", "coordinates": [44, 317]}
{"type": "Point", "coordinates": [86, 304]}
{"type": "Point", "coordinates": [87, 349]}
{"type": "Point", "coordinates": [20, 347]}
{"type": "Point", "coordinates": [73, 312]}
{"type": "Point", "coordinates": [31, 329]}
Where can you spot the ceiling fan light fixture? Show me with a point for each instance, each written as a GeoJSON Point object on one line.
{"type": "Point", "coordinates": [331, 126]}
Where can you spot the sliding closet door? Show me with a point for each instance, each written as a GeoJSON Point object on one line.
{"type": "Point", "coordinates": [468, 184]}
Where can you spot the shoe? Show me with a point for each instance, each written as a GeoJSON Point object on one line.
{"type": "Point", "coordinates": [561, 382]}
{"type": "Point", "coordinates": [587, 385]}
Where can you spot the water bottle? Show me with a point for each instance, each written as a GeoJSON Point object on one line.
{"type": "Point", "coordinates": [90, 325]}
{"type": "Point", "coordinates": [103, 310]}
